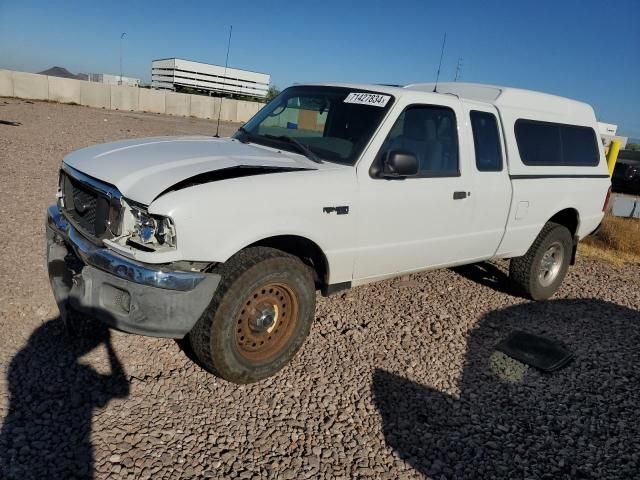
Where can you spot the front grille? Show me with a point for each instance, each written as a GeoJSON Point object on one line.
{"type": "Point", "coordinates": [86, 208]}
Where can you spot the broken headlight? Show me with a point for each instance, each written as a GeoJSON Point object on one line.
{"type": "Point", "coordinates": [152, 230]}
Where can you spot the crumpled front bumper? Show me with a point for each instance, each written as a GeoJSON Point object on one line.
{"type": "Point", "coordinates": [139, 298]}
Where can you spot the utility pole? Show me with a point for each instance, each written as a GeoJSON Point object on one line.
{"type": "Point", "coordinates": [224, 81]}
{"type": "Point", "coordinates": [121, 38]}
{"type": "Point", "coordinates": [458, 70]}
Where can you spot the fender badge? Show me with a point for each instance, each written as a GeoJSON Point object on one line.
{"type": "Point", "coordinates": [342, 210]}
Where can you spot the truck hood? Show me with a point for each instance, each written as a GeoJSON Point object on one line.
{"type": "Point", "coordinates": [142, 169]}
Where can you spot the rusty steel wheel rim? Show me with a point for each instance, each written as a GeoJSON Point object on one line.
{"type": "Point", "coordinates": [266, 322]}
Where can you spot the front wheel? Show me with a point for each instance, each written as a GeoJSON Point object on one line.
{"type": "Point", "coordinates": [542, 269]}
{"type": "Point", "coordinates": [259, 317]}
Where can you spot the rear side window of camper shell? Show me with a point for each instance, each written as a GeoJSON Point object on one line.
{"type": "Point", "coordinates": [556, 144]}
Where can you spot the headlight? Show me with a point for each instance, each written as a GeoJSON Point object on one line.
{"type": "Point", "coordinates": [153, 230]}
{"type": "Point", "coordinates": [166, 233]}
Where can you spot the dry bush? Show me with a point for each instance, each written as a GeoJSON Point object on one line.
{"type": "Point", "coordinates": [617, 241]}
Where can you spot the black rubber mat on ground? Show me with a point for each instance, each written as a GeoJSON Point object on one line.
{"type": "Point", "coordinates": [538, 352]}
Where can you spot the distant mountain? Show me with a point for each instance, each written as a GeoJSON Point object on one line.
{"type": "Point", "coordinates": [64, 73]}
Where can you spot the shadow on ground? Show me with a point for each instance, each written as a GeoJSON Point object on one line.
{"type": "Point", "coordinates": [47, 430]}
{"type": "Point", "coordinates": [510, 422]}
{"type": "Point", "coordinates": [489, 275]}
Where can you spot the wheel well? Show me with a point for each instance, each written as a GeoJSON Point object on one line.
{"type": "Point", "coordinates": [569, 218]}
{"type": "Point", "coordinates": [303, 248]}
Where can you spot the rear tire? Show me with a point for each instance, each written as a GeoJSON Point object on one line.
{"type": "Point", "coordinates": [258, 318]}
{"type": "Point", "coordinates": [540, 272]}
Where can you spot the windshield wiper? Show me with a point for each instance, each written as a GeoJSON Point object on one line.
{"type": "Point", "coordinates": [245, 135]}
{"type": "Point", "coordinates": [301, 147]}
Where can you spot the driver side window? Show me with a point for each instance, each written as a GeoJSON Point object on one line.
{"type": "Point", "coordinates": [430, 133]}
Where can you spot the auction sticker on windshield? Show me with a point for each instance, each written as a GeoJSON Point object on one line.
{"type": "Point", "coordinates": [362, 98]}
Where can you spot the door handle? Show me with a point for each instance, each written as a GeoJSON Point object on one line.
{"type": "Point", "coordinates": [460, 195]}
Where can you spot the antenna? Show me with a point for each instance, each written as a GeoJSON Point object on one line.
{"type": "Point", "coordinates": [224, 81]}
{"type": "Point", "coordinates": [444, 40]}
{"type": "Point", "coordinates": [458, 70]}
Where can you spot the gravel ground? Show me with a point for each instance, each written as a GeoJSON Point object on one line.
{"type": "Point", "coordinates": [397, 380]}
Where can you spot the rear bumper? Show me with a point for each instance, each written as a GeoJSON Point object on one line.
{"type": "Point", "coordinates": [131, 296]}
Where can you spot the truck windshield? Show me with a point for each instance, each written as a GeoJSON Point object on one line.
{"type": "Point", "coordinates": [323, 123]}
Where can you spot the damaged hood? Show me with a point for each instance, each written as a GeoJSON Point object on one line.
{"type": "Point", "coordinates": [142, 169]}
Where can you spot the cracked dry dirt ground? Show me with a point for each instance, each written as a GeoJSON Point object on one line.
{"type": "Point", "coordinates": [397, 379]}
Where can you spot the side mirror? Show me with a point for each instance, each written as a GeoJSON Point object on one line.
{"type": "Point", "coordinates": [399, 163]}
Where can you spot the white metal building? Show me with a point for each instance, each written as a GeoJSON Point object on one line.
{"type": "Point", "coordinates": [113, 79]}
{"type": "Point", "coordinates": [169, 73]}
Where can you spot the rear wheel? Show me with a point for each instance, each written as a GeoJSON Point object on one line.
{"type": "Point", "coordinates": [540, 272]}
{"type": "Point", "coordinates": [259, 316]}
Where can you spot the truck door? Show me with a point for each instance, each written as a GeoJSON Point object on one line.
{"type": "Point", "coordinates": [417, 222]}
{"type": "Point", "coordinates": [491, 186]}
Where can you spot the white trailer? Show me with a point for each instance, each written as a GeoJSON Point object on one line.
{"type": "Point", "coordinates": [110, 79]}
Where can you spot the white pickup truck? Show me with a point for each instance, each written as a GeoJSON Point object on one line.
{"type": "Point", "coordinates": [226, 240]}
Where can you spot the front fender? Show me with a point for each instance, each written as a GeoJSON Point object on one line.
{"type": "Point", "coordinates": [216, 220]}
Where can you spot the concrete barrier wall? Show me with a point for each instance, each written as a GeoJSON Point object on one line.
{"type": "Point", "coordinates": [64, 90]}
{"type": "Point", "coordinates": [6, 84]}
{"type": "Point", "coordinates": [152, 100]}
{"type": "Point", "coordinates": [201, 106]}
{"type": "Point", "coordinates": [246, 109]}
{"type": "Point", "coordinates": [624, 206]}
{"type": "Point", "coordinates": [125, 98]}
{"type": "Point", "coordinates": [177, 104]}
{"type": "Point", "coordinates": [229, 109]}
{"type": "Point", "coordinates": [96, 95]}
{"type": "Point", "coordinates": [216, 106]}
{"type": "Point", "coordinates": [30, 85]}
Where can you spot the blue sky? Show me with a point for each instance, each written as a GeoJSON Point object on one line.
{"type": "Point", "coordinates": [588, 50]}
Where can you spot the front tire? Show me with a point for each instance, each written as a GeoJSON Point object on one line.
{"type": "Point", "coordinates": [258, 318]}
{"type": "Point", "coordinates": [540, 272]}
